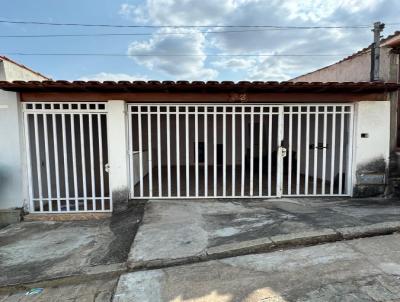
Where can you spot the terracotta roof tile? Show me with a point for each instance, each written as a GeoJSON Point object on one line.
{"type": "Point", "coordinates": [197, 86]}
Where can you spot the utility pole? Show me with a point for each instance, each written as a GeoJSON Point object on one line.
{"type": "Point", "coordinates": [375, 51]}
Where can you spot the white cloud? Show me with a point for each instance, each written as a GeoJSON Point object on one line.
{"type": "Point", "coordinates": [254, 12]}
{"type": "Point", "coordinates": [134, 12]}
{"type": "Point", "coordinates": [234, 64]}
{"type": "Point", "coordinates": [106, 76]}
{"type": "Point", "coordinates": [180, 12]}
{"type": "Point", "coordinates": [317, 10]}
{"type": "Point", "coordinates": [157, 53]}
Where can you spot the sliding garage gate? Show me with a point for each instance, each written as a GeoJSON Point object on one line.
{"type": "Point", "coordinates": [230, 151]}
{"type": "Point", "coordinates": [66, 146]}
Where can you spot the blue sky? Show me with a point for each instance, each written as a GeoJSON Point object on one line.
{"type": "Point", "coordinates": [189, 41]}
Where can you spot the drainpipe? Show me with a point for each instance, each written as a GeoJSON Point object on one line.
{"type": "Point", "coordinates": [375, 51]}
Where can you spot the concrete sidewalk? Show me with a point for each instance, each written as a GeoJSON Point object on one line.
{"type": "Point", "coordinates": [180, 231]}
{"type": "Point", "coordinates": [365, 270]}
{"type": "Point", "coordinates": [32, 252]}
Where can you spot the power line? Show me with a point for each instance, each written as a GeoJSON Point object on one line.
{"type": "Point", "coordinates": [147, 33]}
{"type": "Point", "coordinates": [172, 55]}
{"type": "Point", "coordinates": [184, 26]}
{"type": "Point", "coordinates": [131, 34]}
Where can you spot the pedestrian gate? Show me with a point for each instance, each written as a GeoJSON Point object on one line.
{"type": "Point", "coordinates": [66, 147]}
{"type": "Point", "coordinates": [239, 151]}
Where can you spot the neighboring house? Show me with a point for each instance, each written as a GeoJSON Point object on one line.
{"type": "Point", "coordinates": [13, 71]}
{"type": "Point", "coordinates": [88, 145]}
{"type": "Point", "coordinates": [10, 135]}
{"type": "Point", "coordinates": [356, 68]}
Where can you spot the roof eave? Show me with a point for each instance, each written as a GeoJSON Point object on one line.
{"type": "Point", "coordinates": [196, 86]}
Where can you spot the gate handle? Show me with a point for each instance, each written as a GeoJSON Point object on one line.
{"type": "Point", "coordinates": [283, 151]}
{"type": "Point", "coordinates": [107, 167]}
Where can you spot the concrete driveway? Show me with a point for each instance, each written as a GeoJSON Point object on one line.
{"type": "Point", "coordinates": [181, 231]}
{"type": "Point", "coordinates": [365, 270]}
{"type": "Point", "coordinates": [37, 251]}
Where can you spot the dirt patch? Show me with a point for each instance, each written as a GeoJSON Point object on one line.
{"type": "Point", "coordinates": [124, 226]}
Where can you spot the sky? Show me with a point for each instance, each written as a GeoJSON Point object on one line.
{"type": "Point", "coordinates": [233, 54]}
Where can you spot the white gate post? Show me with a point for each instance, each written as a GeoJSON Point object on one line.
{"type": "Point", "coordinates": [14, 181]}
{"type": "Point", "coordinates": [117, 151]}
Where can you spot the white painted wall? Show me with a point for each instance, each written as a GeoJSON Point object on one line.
{"type": "Point", "coordinates": [372, 118]}
{"type": "Point", "coordinates": [13, 187]}
{"type": "Point", "coordinates": [13, 178]}
{"type": "Point", "coordinates": [355, 69]}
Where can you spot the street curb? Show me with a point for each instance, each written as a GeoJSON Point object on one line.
{"type": "Point", "coordinates": [382, 228]}
{"type": "Point", "coordinates": [270, 244]}
{"type": "Point", "coordinates": [88, 274]}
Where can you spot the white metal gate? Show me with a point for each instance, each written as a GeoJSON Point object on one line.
{"type": "Point", "coordinates": [67, 150]}
{"type": "Point", "coordinates": [239, 151]}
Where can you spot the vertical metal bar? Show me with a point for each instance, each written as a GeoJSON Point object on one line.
{"type": "Point", "coordinates": [333, 149]}
{"type": "Point", "coordinates": [298, 161]}
{"type": "Point", "coordinates": [178, 164]}
{"type": "Point", "coordinates": [307, 149]}
{"type": "Point", "coordinates": [74, 168]}
{"type": "Point", "coordinates": [141, 176]}
{"type": "Point", "coordinates": [66, 180]}
{"type": "Point", "coordinates": [260, 154]}
{"type": "Point", "coordinates": [101, 167]}
{"type": "Point", "coordinates": [279, 174]}
{"type": "Point", "coordinates": [251, 150]}
{"type": "Point", "coordinates": [233, 150]}
{"type": "Point", "coordinates": [92, 161]}
{"type": "Point", "coordinates": [29, 163]}
{"type": "Point", "coordinates": [349, 153]}
{"type": "Point", "coordinates": [243, 152]}
{"type": "Point", "coordinates": [169, 151]}
{"type": "Point", "coordinates": [224, 151]}
{"type": "Point", "coordinates": [341, 150]}
{"type": "Point", "coordinates": [316, 122]}
{"type": "Point", "coordinates": [187, 151]}
{"type": "Point", "coordinates": [150, 151]}
{"type": "Point", "coordinates": [159, 151]}
{"type": "Point", "coordinates": [38, 162]}
{"type": "Point", "coordinates": [83, 162]}
{"type": "Point", "coordinates": [290, 150]}
{"type": "Point", "coordinates": [196, 149]}
{"type": "Point", "coordinates": [215, 151]}
{"type": "Point", "coordinates": [205, 151]}
{"type": "Point", "coordinates": [46, 150]}
{"type": "Point", "coordinates": [324, 150]}
{"type": "Point", "coordinates": [270, 151]}
{"type": "Point", "coordinates": [131, 159]}
{"type": "Point", "coordinates": [55, 145]}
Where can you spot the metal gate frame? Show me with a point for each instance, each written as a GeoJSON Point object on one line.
{"type": "Point", "coordinates": [144, 109]}
{"type": "Point", "coordinates": [70, 202]}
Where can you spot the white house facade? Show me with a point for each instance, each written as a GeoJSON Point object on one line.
{"type": "Point", "coordinates": [85, 146]}
{"type": "Point", "coordinates": [11, 157]}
